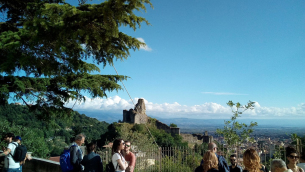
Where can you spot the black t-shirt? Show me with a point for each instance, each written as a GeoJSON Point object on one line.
{"type": "Point", "coordinates": [236, 169]}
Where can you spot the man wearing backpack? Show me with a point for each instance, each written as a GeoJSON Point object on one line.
{"type": "Point", "coordinates": [76, 154]}
{"type": "Point", "coordinates": [23, 152]}
{"type": "Point", "coordinates": [10, 165]}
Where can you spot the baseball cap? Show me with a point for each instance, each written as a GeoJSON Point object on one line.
{"type": "Point", "coordinates": [18, 137]}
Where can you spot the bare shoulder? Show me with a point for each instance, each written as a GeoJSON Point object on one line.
{"type": "Point", "coordinates": [300, 169]}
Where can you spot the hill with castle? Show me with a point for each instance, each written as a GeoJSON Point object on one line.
{"type": "Point", "coordinates": [138, 116]}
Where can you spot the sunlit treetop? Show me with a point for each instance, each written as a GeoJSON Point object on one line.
{"type": "Point", "coordinates": [50, 40]}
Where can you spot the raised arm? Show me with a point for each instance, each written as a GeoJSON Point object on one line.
{"type": "Point", "coordinates": [122, 165]}
{"type": "Point", "coordinates": [6, 152]}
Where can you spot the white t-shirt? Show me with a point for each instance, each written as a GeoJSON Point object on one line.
{"type": "Point", "coordinates": [115, 157]}
{"type": "Point", "coordinates": [302, 165]}
{"type": "Point", "coordinates": [9, 161]}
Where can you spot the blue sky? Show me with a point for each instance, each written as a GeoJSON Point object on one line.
{"type": "Point", "coordinates": [202, 53]}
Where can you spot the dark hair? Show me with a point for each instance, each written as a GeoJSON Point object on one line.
{"type": "Point", "coordinates": [9, 135]}
{"type": "Point", "coordinates": [233, 156]}
{"type": "Point", "coordinates": [290, 150]}
{"type": "Point", "coordinates": [116, 145]}
{"type": "Point", "coordinates": [91, 147]}
{"type": "Point", "coordinates": [127, 141]}
{"type": "Point", "coordinates": [15, 140]}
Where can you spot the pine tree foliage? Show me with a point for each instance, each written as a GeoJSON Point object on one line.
{"type": "Point", "coordinates": [51, 41]}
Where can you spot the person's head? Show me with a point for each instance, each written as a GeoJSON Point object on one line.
{"type": "Point", "coordinates": [18, 139]}
{"type": "Point", "coordinates": [251, 160]}
{"type": "Point", "coordinates": [80, 139]}
{"type": "Point", "coordinates": [212, 147]}
{"type": "Point", "coordinates": [8, 137]}
{"type": "Point", "coordinates": [291, 155]}
{"type": "Point", "coordinates": [118, 145]}
{"type": "Point", "coordinates": [127, 146]}
{"type": "Point", "coordinates": [91, 147]}
{"type": "Point", "coordinates": [233, 159]}
{"type": "Point", "coordinates": [278, 165]}
{"type": "Point", "coordinates": [210, 161]}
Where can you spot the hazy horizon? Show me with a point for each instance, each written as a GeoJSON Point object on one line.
{"type": "Point", "coordinates": [110, 118]}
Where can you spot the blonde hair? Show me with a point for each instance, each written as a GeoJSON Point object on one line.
{"type": "Point", "coordinates": [251, 161]}
{"type": "Point", "coordinates": [210, 161]}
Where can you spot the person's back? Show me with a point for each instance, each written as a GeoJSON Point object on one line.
{"type": "Point", "coordinates": [199, 169]}
{"type": "Point", "coordinates": [92, 163]}
{"type": "Point", "coordinates": [213, 170]}
{"type": "Point", "coordinates": [222, 164]}
{"type": "Point", "coordinates": [251, 161]}
{"type": "Point", "coordinates": [262, 169]}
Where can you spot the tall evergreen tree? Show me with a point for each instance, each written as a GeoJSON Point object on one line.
{"type": "Point", "coordinates": [51, 40]}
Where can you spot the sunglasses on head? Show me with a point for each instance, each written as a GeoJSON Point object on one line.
{"type": "Point", "coordinates": [293, 157]}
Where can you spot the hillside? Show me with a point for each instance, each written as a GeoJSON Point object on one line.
{"type": "Point", "coordinates": [58, 133]}
{"type": "Point", "coordinates": [139, 135]}
{"type": "Point", "coordinates": [54, 136]}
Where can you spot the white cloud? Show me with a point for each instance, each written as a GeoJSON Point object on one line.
{"type": "Point", "coordinates": [223, 93]}
{"type": "Point", "coordinates": [146, 48]}
{"type": "Point", "coordinates": [207, 110]}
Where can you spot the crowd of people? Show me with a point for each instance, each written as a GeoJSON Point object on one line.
{"type": "Point", "coordinates": [123, 160]}
{"type": "Point", "coordinates": [15, 154]}
{"type": "Point", "coordinates": [212, 162]}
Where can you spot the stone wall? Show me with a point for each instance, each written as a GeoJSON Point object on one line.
{"type": "Point", "coordinates": [136, 115]}
{"type": "Point", "coordinates": [172, 130]}
{"type": "Point", "coordinates": [205, 138]}
{"type": "Point", "coordinates": [41, 165]}
{"type": "Point", "coordinates": [190, 138]}
{"type": "Point", "coordinates": [128, 116]}
{"type": "Point", "coordinates": [175, 130]}
{"type": "Point", "coordinates": [197, 138]}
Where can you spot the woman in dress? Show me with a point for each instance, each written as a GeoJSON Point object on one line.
{"type": "Point", "coordinates": [292, 158]}
{"type": "Point", "coordinates": [252, 161]}
{"type": "Point", "coordinates": [118, 159]}
{"type": "Point", "coordinates": [210, 162]}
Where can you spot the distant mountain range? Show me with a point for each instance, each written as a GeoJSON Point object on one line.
{"type": "Point", "coordinates": [200, 123]}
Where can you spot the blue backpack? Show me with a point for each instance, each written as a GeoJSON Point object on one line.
{"type": "Point", "coordinates": [65, 162]}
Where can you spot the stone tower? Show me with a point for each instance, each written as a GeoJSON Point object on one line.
{"type": "Point", "coordinates": [136, 115]}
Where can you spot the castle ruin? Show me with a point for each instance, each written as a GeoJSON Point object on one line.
{"type": "Point", "coordinates": [138, 116]}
